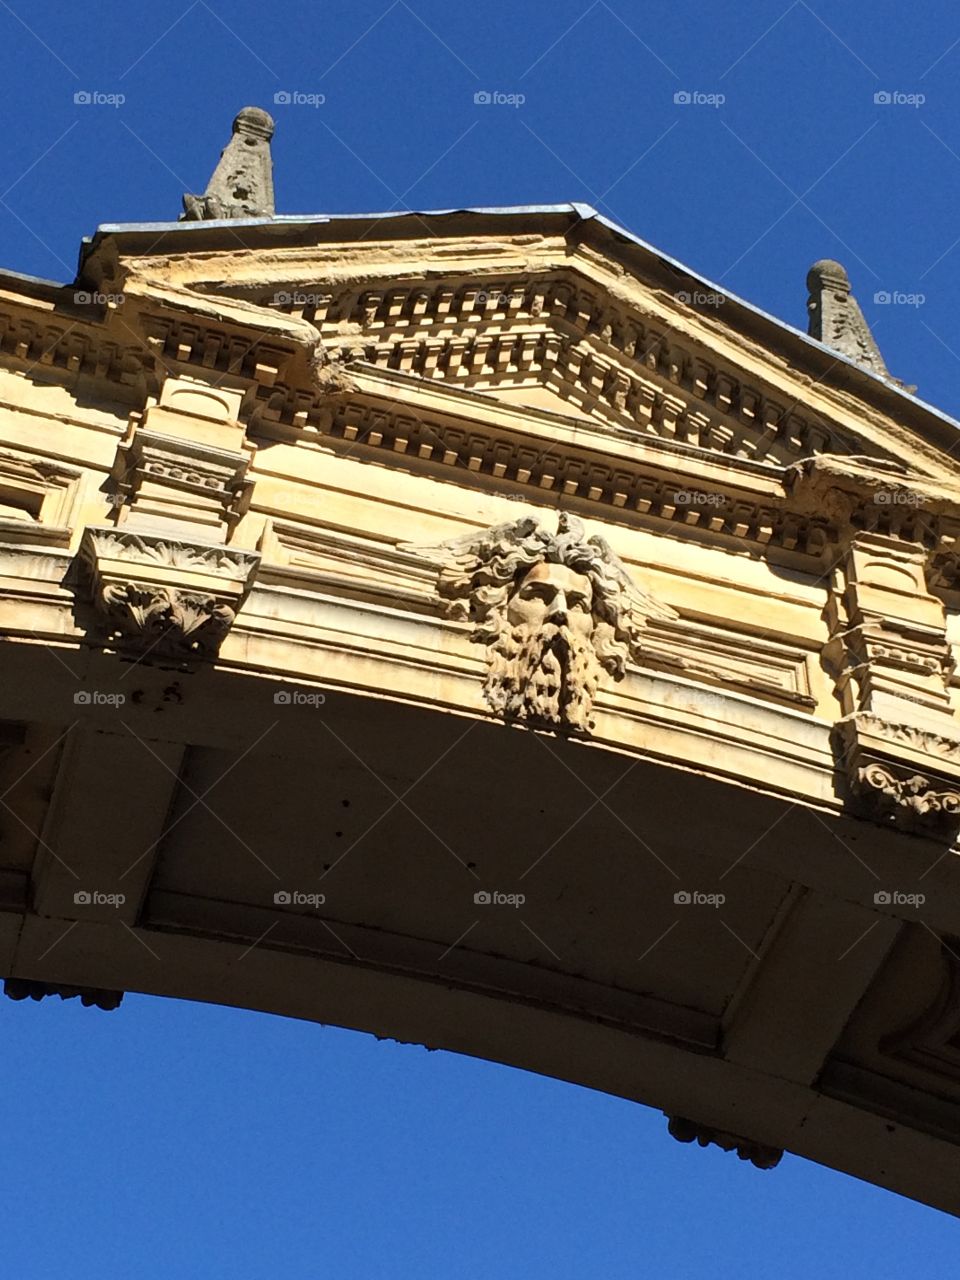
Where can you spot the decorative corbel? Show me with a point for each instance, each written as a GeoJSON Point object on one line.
{"type": "Point", "coordinates": [164, 597]}
{"type": "Point", "coordinates": [902, 775]}
{"type": "Point", "coordinates": [870, 495]}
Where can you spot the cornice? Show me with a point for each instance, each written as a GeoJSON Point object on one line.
{"type": "Point", "coordinates": [638, 360]}
{"type": "Point", "coordinates": [279, 406]}
{"type": "Point", "coordinates": [577, 227]}
{"type": "Point", "coordinates": [330, 254]}
{"type": "Point", "coordinates": [559, 331]}
{"type": "Point", "coordinates": [669, 417]}
{"type": "Point", "coordinates": [625, 360]}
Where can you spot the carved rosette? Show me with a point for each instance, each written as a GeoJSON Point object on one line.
{"type": "Point", "coordinates": [163, 597]}
{"type": "Point", "coordinates": [556, 611]}
{"type": "Point", "coordinates": [902, 775]}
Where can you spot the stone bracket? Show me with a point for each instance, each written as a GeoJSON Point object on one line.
{"type": "Point", "coordinates": [161, 596]}
{"type": "Point", "coordinates": [902, 775]}
{"type": "Point", "coordinates": [871, 495]}
{"type": "Point", "coordinates": [185, 462]}
{"type": "Point", "coordinates": [193, 467]}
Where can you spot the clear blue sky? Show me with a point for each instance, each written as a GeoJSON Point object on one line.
{"type": "Point", "coordinates": [170, 1140]}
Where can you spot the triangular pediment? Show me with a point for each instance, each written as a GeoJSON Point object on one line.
{"type": "Point", "coordinates": [552, 309]}
{"type": "Point", "coordinates": [559, 340]}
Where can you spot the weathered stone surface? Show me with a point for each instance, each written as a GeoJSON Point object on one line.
{"type": "Point", "coordinates": [242, 183]}
{"type": "Point", "coordinates": [903, 774]}
{"type": "Point", "coordinates": [836, 318]}
{"type": "Point", "coordinates": [163, 597]}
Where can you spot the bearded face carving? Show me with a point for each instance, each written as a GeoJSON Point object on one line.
{"type": "Point", "coordinates": [556, 612]}
{"type": "Point", "coordinates": [541, 665]}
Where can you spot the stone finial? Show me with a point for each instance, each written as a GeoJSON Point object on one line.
{"type": "Point", "coordinates": [836, 319]}
{"type": "Point", "coordinates": [242, 183]}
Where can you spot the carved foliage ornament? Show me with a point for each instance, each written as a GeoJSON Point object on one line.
{"type": "Point", "coordinates": [555, 610]}
{"type": "Point", "coordinates": [165, 597]}
{"type": "Point", "coordinates": [165, 618]}
{"type": "Point", "coordinates": [907, 801]}
{"type": "Point", "coordinates": [902, 775]}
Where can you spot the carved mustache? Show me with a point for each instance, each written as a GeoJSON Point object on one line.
{"type": "Point", "coordinates": [556, 637]}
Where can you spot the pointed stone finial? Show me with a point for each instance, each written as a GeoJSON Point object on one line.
{"type": "Point", "coordinates": [836, 319]}
{"type": "Point", "coordinates": [242, 183]}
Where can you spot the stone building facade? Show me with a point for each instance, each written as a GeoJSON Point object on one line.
{"type": "Point", "coordinates": [474, 628]}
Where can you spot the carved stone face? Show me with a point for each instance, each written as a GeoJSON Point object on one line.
{"type": "Point", "coordinates": [544, 669]}
{"type": "Point", "coordinates": [553, 593]}
{"type": "Point", "coordinates": [557, 612]}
